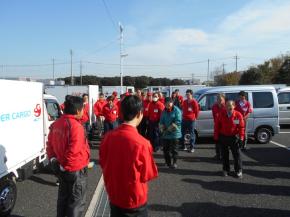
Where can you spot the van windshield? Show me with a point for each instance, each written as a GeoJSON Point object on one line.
{"type": "Point", "coordinates": [196, 96]}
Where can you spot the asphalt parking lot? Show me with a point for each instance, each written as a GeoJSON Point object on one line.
{"type": "Point", "coordinates": [195, 188]}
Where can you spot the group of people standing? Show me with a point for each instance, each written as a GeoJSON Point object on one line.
{"type": "Point", "coordinates": [126, 157]}
{"type": "Point", "coordinates": [167, 122]}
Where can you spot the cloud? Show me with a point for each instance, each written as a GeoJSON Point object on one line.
{"type": "Point", "coordinates": [252, 30]}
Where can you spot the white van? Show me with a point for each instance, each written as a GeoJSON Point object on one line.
{"type": "Point", "coordinates": [25, 116]}
{"type": "Point", "coordinates": [263, 123]}
{"type": "Point", "coordinates": [284, 105]}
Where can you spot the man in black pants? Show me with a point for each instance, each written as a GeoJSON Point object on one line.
{"type": "Point", "coordinates": [68, 149]}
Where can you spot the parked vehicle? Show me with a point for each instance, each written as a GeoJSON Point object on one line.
{"type": "Point", "coordinates": [25, 118]}
{"type": "Point", "coordinates": [108, 90]}
{"type": "Point", "coordinates": [61, 91]}
{"type": "Point", "coordinates": [263, 123]}
{"type": "Point", "coordinates": [284, 105]}
{"type": "Point", "coordinates": [183, 88]}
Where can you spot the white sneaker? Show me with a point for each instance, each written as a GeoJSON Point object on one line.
{"type": "Point", "coordinates": [239, 175]}
{"type": "Point", "coordinates": [185, 148]}
{"type": "Point", "coordinates": [192, 150]}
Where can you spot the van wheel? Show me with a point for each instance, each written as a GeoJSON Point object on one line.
{"type": "Point", "coordinates": [8, 194]}
{"type": "Point", "coordinates": [263, 135]}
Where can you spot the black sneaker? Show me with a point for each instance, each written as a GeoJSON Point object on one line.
{"type": "Point", "coordinates": [174, 166]}
{"type": "Point", "coordinates": [225, 173]}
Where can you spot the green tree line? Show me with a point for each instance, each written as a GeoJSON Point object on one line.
{"type": "Point", "coordinates": [273, 71]}
{"type": "Point", "coordinates": [137, 82]}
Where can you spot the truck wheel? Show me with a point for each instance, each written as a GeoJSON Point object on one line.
{"type": "Point", "coordinates": [263, 135]}
{"type": "Point", "coordinates": [8, 194]}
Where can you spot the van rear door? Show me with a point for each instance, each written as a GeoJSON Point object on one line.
{"type": "Point", "coordinates": [284, 107]}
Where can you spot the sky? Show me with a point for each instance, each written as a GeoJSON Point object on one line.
{"type": "Point", "coordinates": [162, 38]}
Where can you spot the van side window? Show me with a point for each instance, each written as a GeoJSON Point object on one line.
{"type": "Point", "coordinates": [284, 98]}
{"type": "Point", "coordinates": [207, 102]}
{"type": "Point", "coordinates": [53, 109]}
{"type": "Point", "coordinates": [263, 100]}
{"type": "Point", "coordinates": [234, 96]}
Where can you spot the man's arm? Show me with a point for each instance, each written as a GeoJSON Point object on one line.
{"type": "Point", "coordinates": [148, 167]}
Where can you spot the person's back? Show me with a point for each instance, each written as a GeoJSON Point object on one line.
{"type": "Point", "coordinates": [127, 162]}
{"type": "Point", "coordinates": [123, 158]}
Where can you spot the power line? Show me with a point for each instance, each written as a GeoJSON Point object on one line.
{"type": "Point", "coordinates": [114, 23]}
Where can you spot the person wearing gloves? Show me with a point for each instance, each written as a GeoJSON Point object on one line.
{"type": "Point", "coordinates": [170, 128]}
{"type": "Point", "coordinates": [230, 131]}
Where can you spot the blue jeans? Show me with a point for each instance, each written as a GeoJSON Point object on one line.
{"type": "Point", "coordinates": [187, 127]}
{"type": "Point", "coordinates": [109, 126]}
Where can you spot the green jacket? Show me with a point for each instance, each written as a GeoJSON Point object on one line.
{"type": "Point", "coordinates": [170, 124]}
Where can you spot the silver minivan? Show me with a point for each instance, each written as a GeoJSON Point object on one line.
{"type": "Point", "coordinates": [263, 123]}
{"type": "Point", "coordinates": [284, 105]}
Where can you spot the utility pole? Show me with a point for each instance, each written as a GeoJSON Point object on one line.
{"type": "Point", "coordinates": [223, 65]}
{"type": "Point", "coordinates": [81, 71]}
{"type": "Point", "coordinates": [236, 58]}
{"type": "Point", "coordinates": [207, 70]}
{"type": "Point", "coordinates": [71, 71]}
{"type": "Point", "coordinates": [192, 78]}
{"type": "Point", "coordinates": [52, 68]}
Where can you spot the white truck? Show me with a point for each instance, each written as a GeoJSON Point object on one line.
{"type": "Point", "coordinates": [25, 116]}
{"type": "Point", "coordinates": [108, 90]}
{"type": "Point", "coordinates": [60, 91]}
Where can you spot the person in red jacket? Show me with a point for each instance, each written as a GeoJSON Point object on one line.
{"type": "Point", "coordinates": [127, 163]}
{"type": "Point", "coordinates": [110, 112]}
{"type": "Point", "coordinates": [85, 120]}
{"type": "Point", "coordinates": [98, 111]}
{"type": "Point", "coordinates": [154, 113]}
{"type": "Point", "coordinates": [230, 131]}
{"type": "Point", "coordinates": [190, 111]}
{"type": "Point", "coordinates": [179, 97]}
{"type": "Point", "coordinates": [217, 108]}
{"type": "Point", "coordinates": [67, 147]}
{"type": "Point", "coordinates": [161, 98]}
{"type": "Point", "coordinates": [115, 97]}
{"type": "Point", "coordinates": [143, 126]}
{"type": "Point", "coordinates": [244, 107]}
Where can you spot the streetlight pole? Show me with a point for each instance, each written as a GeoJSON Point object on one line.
{"type": "Point", "coordinates": [121, 57]}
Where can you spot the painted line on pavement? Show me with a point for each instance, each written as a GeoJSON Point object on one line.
{"type": "Point", "coordinates": [284, 132]}
{"type": "Point", "coordinates": [280, 145]}
{"type": "Point", "coordinates": [95, 199]}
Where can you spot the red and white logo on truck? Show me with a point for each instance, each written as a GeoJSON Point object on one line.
{"type": "Point", "coordinates": [37, 110]}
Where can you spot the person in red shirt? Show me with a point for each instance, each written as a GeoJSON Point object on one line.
{"type": "Point", "coordinates": [244, 107]}
{"type": "Point", "coordinates": [110, 112]}
{"type": "Point", "coordinates": [154, 114]}
{"type": "Point", "coordinates": [85, 120]}
{"type": "Point", "coordinates": [190, 111]}
{"type": "Point", "coordinates": [98, 111]}
{"type": "Point", "coordinates": [143, 126]}
{"type": "Point", "coordinates": [68, 149]}
{"type": "Point", "coordinates": [127, 163]}
{"type": "Point", "coordinates": [230, 131]}
{"type": "Point", "coordinates": [217, 108]}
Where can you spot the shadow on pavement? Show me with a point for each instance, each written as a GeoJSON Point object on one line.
{"type": "Point", "coordinates": [215, 210]}
{"type": "Point", "coordinates": [241, 187]}
{"type": "Point", "coordinates": [268, 174]}
{"type": "Point", "coordinates": [188, 172]}
{"type": "Point", "coordinates": [269, 156]}
{"type": "Point", "coordinates": [42, 181]}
